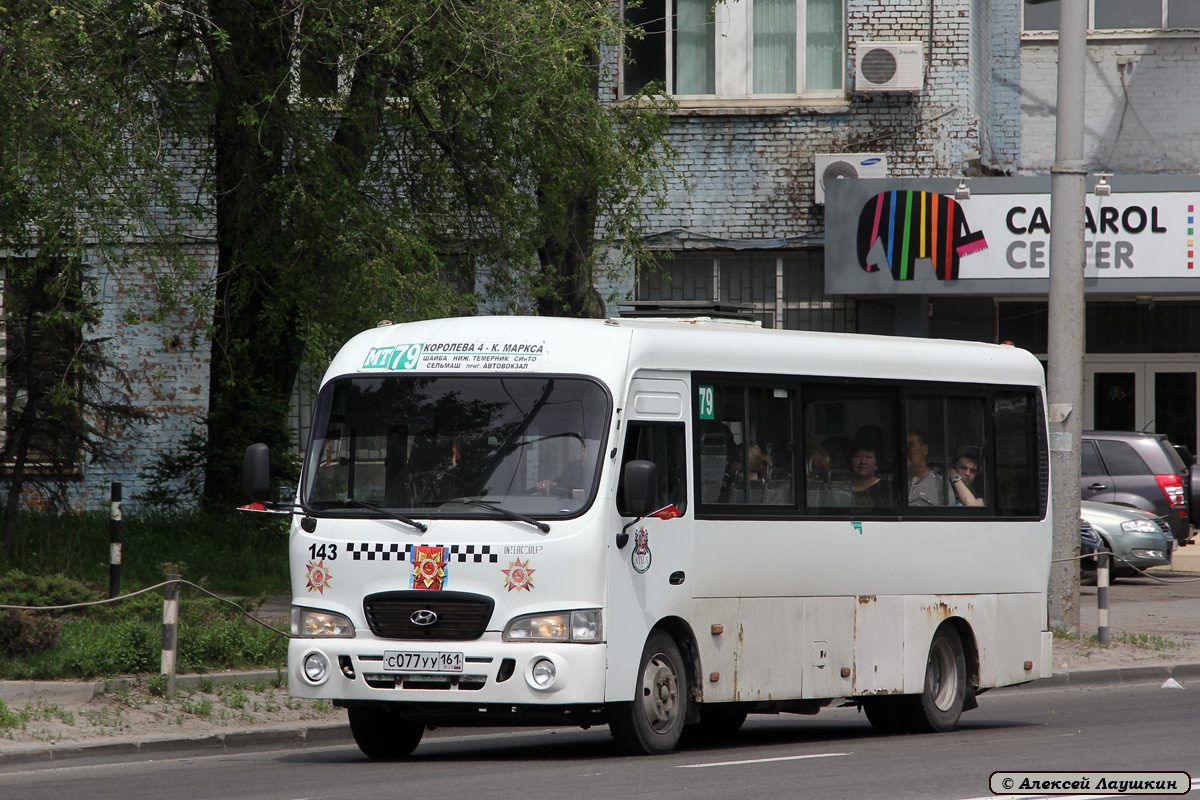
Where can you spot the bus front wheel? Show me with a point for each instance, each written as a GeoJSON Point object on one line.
{"type": "Point", "coordinates": [939, 705]}
{"type": "Point", "coordinates": [653, 722]}
{"type": "Point", "coordinates": [382, 734]}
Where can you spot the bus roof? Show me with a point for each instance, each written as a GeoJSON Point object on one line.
{"type": "Point", "coordinates": [609, 349]}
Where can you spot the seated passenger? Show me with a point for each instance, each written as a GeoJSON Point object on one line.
{"type": "Point", "coordinates": [925, 486]}
{"type": "Point", "coordinates": [867, 489]}
{"type": "Point", "coordinates": [963, 473]}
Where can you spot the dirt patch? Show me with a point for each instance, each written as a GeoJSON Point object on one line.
{"type": "Point", "coordinates": [137, 713]}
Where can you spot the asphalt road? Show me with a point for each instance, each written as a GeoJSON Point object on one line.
{"type": "Point", "coordinates": [832, 755]}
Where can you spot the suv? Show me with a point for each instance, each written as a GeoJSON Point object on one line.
{"type": "Point", "coordinates": [1142, 470]}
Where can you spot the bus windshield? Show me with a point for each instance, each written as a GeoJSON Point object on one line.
{"type": "Point", "coordinates": [456, 446]}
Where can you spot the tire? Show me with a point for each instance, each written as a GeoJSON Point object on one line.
{"type": "Point", "coordinates": [883, 712]}
{"type": "Point", "coordinates": [716, 725]}
{"type": "Point", "coordinates": [939, 705]}
{"type": "Point", "coordinates": [652, 724]}
{"type": "Point", "coordinates": [383, 734]}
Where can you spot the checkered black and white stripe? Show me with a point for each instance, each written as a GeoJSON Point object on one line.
{"type": "Point", "coordinates": [393, 551]}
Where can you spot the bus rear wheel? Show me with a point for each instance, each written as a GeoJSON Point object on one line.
{"type": "Point", "coordinates": [383, 734]}
{"type": "Point", "coordinates": [940, 704]}
{"type": "Point", "coordinates": [652, 724]}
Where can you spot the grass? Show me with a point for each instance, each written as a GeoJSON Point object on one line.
{"type": "Point", "coordinates": [62, 559]}
{"type": "Point", "coordinates": [225, 551]}
{"type": "Point", "coordinates": [1143, 641]}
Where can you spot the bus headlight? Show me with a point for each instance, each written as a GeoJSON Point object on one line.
{"type": "Point", "coordinates": [309, 623]}
{"type": "Point", "coordinates": [583, 627]}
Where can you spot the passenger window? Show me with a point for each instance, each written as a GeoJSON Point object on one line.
{"type": "Point", "coordinates": [662, 444]}
{"type": "Point", "coordinates": [1022, 477]}
{"type": "Point", "coordinates": [967, 459]}
{"type": "Point", "coordinates": [851, 445]}
{"type": "Point", "coordinates": [925, 474]}
{"type": "Point", "coordinates": [1091, 460]}
{"type": "Point", "coordinates": [1121, 458]}
{"type": "Point", "coordinates": [745, 445]}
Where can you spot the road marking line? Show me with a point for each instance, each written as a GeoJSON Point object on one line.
{"type": "Point", "coordinates": [758, 760]}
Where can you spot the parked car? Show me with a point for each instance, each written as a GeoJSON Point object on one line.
{"type": "Point", "coordinates": [1142, 470]}
{"type": "Point", "coordinates": [1138, 539]}
{"type": "Point", "coordinates": [1089, 544]}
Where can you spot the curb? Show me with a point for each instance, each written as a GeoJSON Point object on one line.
{"type": "Point", "coordinates": [243, 741]}
{"type": "Point", "coordinates": [1152, 673]}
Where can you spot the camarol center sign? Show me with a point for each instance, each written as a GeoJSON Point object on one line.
{"type": "Point", "coordinates": [914, 237]}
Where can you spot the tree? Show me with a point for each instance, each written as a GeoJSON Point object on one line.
{"type": "Point", "coordinates": [373, 160]}
{"type": "Point", "coordinates": [80, 131]}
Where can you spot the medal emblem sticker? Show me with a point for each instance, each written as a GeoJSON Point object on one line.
{"type": "Point", "coordinates": [429, 567]}
{"type": "Point", "coordinates": [641, 551]}
{"type": "Point", "coordinates": [518, 576]}
{"type": "Point", "coordinates": [318, 576]}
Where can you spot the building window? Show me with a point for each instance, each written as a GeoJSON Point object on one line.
{"type": "Point", "coordinates": [1118, 15]}
{"type": "Point", "coordinates": [771, 49]}
{"type": "Point", "coordinates": [786, 290]}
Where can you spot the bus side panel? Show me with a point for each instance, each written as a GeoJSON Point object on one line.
{"type": "Point", "coordinates": [771, 644]}
{"type": "Point", "coordinates": [1016, 644]}
{"type": "Point", "coordinates": [719, 647]}
{"type": "Point", "coordinates": [879, 644]}
{"type": "Point", "coordinates": [924, 614]}
{"type": "Point", "coordinates": [829, 625]}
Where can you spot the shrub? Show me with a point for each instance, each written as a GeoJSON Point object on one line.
{"type": "Point", "coordinates": [24, 632]}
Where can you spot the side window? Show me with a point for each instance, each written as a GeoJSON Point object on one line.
{"type": "Point", "coordinates": [1018, 466]}
{"type": "Point", "coordinates": [745, 445]}
{"type": "Point", "coordinates": [664, 445]}
{"type": "Point", "coordinates": [967, 459]}
{"type": "Point", "coordinates": [1091, 460]}
{"type": "Point", "coordinates": [1122, 459]}
{"type": "Point", "coordinates": [925, 476]}
{"type": "Point", "coordinates": [945, 452]}
{"type": "Point", "coordinates": [851, 444]}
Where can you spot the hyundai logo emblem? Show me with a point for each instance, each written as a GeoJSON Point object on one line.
{"type": "Point", "coordinates": [423, 617]}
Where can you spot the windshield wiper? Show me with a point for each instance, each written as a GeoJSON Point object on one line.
{"type": "Point", "coordinates": [349, 501]}
{"type": "Point", "coordinates": [493, 505]}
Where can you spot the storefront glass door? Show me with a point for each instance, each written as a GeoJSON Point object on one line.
{"type": "Point", "coordinates": [1147, 396]}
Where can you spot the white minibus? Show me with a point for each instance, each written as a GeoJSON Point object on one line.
{"type": "Point", "coordinates": [664, 525]}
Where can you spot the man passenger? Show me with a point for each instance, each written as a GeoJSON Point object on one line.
{"type": "Point", "coordinates": [925, 486]}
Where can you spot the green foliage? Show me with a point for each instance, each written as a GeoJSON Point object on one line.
{"type": "Point", "coordinates": [227, 551]}
{"type": "Point", "coordinates": [19, 588]}
{"type": "Point", "coordinates": [127, 639]}
{"type": "Point", "coordinates": [22, 632]}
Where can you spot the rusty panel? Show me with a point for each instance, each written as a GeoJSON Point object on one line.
{"type": "Point", "coordinates": [772, 649]}
{"type": "Point", "coordinates": [878, 644]}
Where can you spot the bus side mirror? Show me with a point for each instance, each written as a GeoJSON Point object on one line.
{"type": "Point", "coordinates": [641, 481]}
{"type": "Point", "coordinates": [256, 472]}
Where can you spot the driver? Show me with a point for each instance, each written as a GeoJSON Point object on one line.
{"type": "Point", "coordinates": [573, 477]}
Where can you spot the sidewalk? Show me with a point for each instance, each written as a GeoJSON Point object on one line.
{"type": "Point", "coordinates": [1155, 627]}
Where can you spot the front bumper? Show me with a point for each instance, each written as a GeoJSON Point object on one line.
{"type": "Point", "coordinates": [494, 672]}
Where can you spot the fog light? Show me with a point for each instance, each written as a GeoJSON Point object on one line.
{"type": "Point", "coordinates": [316, 667]}
{"type": "Point", "coordinates": [1149, 553]}
{"type": "Point", "coordinates": [543, 673]}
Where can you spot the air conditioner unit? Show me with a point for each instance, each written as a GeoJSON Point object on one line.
{"type": "Point", "coordinates": [833, 166]}
{"type": "Point", "coordinates": [889, 67]}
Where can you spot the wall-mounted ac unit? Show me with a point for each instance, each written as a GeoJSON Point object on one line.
{"type": "Point", "coordinates": [833, 166]}
{"type": "Point", "coordinates": [889, 66]}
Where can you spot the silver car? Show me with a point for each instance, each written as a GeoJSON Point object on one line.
{"type": "Point", "coordinates": [1137, 539]}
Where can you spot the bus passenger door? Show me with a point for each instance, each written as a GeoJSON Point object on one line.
{"type": "Point", "coordinates": [648, 574]}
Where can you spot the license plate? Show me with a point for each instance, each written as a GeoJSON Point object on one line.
{"type": "Point", "coordinates": [402, 661]}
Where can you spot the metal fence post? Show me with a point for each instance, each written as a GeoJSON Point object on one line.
{"type": "Point", "coordinates": [170, 637]}
{"type": "Point", "coordinates": [1102, 598]}
{"type": "Point", "coordinates": [114, 539]}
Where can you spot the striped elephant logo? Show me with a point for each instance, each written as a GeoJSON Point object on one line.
{"type": "Point", "coordinates": [912, 225]}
